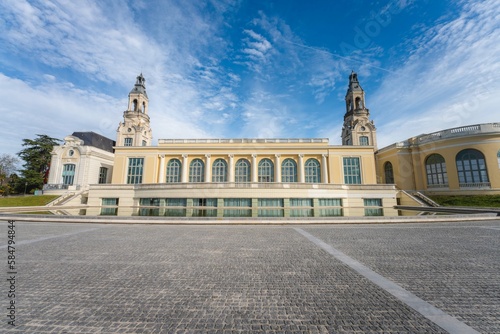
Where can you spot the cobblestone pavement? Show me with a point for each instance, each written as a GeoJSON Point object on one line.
{"type": "Point", "coordinates": [88, 278]}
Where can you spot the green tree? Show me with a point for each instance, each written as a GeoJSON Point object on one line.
{"type": "Point", "coordinates": [36, 156]}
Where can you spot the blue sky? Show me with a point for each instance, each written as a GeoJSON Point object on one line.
{"type": "Point", "coordinates": [230, 69]}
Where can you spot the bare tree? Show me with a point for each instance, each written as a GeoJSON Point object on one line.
{"type": "Point", "coordinates": [8, 165]}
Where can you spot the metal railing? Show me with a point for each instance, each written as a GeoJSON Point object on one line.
{"type": "Point", "coordinates": [55, 186]}
{"type": "Point", "coordinates": [242, 140]}
{"type": "Point", "coordinates": [246, 185]}
{"type": "Point", "coordinates": [476, 185]}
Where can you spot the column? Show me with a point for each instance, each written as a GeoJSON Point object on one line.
{"type": "Point", "coordinates": [185, 168]}
{"type": "Point", "coordinates": [254, 168]}
{"type": "Point", "coordinates": [208, 168]}
{"type": "Point", "coordinates": [161, 178]}
{"type": "Point", "coordinates": [277, 168]}
{"type": "Point", "coordinates": [231, 168]}
{"type": "Point", "coordinates": [324, 168]}
{"type": "Point", "coordinates": [302, 177]}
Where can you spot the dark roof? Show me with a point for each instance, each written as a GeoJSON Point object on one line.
{"type": "Point", "coordinates": [95, 140]}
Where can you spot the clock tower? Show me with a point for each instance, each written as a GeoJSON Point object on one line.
{"type": "Point", "coordinates": [358, 129]}
{"type": "Point", "coordinates": [135, 129]}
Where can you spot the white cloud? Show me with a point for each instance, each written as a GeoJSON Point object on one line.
{"type": "Point", "coordinates": [451, 78]}
{"type": "Point", "coordinates": [55, 109]}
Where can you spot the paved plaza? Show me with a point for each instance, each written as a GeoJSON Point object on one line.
{"type": "Point", "coordinates": [388, 278]}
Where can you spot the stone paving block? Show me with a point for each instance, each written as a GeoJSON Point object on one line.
{"type": "Point", "coordinates": [248, 279]}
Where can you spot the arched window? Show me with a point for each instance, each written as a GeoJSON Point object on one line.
{"type": "Point", "coordinates": [471, 167]}
{"type": "Point", "coordinates": [388, 173]}
{"type": "Point", "coordinates": [266, 171]}
{"type": "Point", "coordinates": [143, 107]}
{"type": "Point", "coordinates": [68, 174]}
{"type": "Point", "coordinates": [196, 171]}
{"type": "Point", "coordinates": [242, 171]}
{"type": "Point", "coordinates": [288, 171]}
{"type": "Point", "coordinates": [498, 158]}
{"type": "Point", "coordinates": [359, 103]}
{"type": "Point", "coordinates": [219, 171]}
{"type": "Point", "coordinates": [174, 171]}
{"type": "Point", "coordinates": [435, 168]}
{"type": "Point", "coordinates": [363, 141]}
{"type": "Point", "coordinates": [135, 105]}
{"type": "Point", "coordinates": [313, 171]}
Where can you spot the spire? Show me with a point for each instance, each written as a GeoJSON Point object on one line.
{"type": "Point", "coordinates": [358, 129]}
{"type": "Point", "coordinates": [135, 129]}
{"type": "Point", "coordinates": [354, 85]}
{"type": "Point", "coordinates": [140, 86]}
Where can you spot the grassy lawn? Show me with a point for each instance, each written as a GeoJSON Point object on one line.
{"type": "Point", "coordinates": [486, 201]}
{"type": "Point", "coordinates": [26, 200]}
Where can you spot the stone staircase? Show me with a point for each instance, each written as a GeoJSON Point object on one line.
{"type": "Point", "coordinates": [57, 205]}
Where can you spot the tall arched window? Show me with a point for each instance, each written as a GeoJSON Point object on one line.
{"type": "Point", "coordinates": [388, 173]}
{"type": "Point", "coordinates": [289, 171]}
{"type": "Point", "coordinates": [242, 171]}
{"type": "Point", "coordinates": [219, 171]}
{"type": "Point", "coordinates": [68, 174]}
{"type": "Point", "coordinates": [435, 167]}
{"type": "Point", "coordinates": [471, 167]}
{"type": "Point", "coordinates": [313, 171]}
{"type": "Point", "coordinates": [196, 171]}
{"type": "Point", "coordinates": [363, 141]}
{"type": "Point", "coordinates": [266, 171]}
{"type": "Point", "coordinates": [174, 171]}
{"type": "Point", "coordinates": [143, 110]}
{"type": "Point", "coordinates": [134, 105]}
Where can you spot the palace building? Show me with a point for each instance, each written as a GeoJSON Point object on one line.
{"type": "Point", "coordinates": [274, 177]}
{"type": "Point", "coordinates": [239, 177]}
{"type": "Point", "coordinates": [458, 161]}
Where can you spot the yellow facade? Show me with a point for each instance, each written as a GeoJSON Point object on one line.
{"type": "Point", "coordinates": [462, 160]}
{"type": "Point", "coordinates": [244, 177]}
{"type": "Point", "coordinates": [298, 194]}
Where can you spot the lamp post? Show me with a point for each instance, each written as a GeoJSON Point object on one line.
{"type": "Point", "coordinates": [25, 186]}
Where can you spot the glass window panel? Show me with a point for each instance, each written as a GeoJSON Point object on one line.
{"type": "Point", "coordinates": [389, 173]}
{"type": "Point", "coordinates": [242, 171]}
{"type": "Point", "coordinates": [109, 211]}
{"type": "Point", "coordinates": [197, 171]}
{"type": "Point", "coordinates": [68, 174]}
{"type": "Point", "coordinates": [135, 169]}
{"type": "Point", "coordinates": [312, 171]}
{"type": "Point", "coordinates": [363, 141]}
{"type": "Point", "coordinates": [288, 171]}
{"type": "Point", "coordinates": [174, 170]}
{"type": "Point", "coordinates": [219, 171]}
{"type": "Point", "coordinates": [266, 171]}
{"type": "Point", "coordinates": [436, 170]}
{"type": "Point", "coordinates": [474, 167]}
{"type": "Point", "coordinates": [204, 207]}
{"type": "Point", "coordinates": [373, 207]}
{"type": "Point", "coordinates": [352, 172]}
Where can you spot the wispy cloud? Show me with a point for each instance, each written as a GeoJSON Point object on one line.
{"type": "Point", "coordinates": [452, 74]}
{"type": "Point", "coordinates": [210, 75]}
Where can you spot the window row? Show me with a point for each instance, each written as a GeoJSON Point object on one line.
{"type": "Point", "coordinates": [68, 174]}
{"type": "Point", "coordinates": [242, 207]}
{"type": "Point", "coordinates": [470, 163]}
{"type": "Point", "coordinates": [243, 171]}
